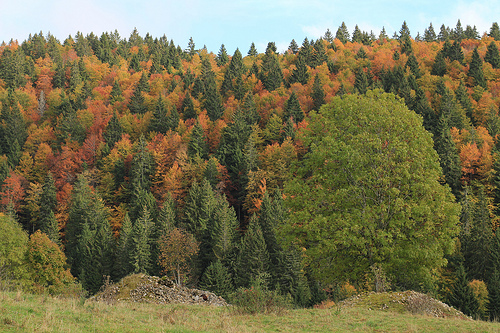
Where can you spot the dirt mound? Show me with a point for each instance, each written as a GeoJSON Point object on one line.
{"type": "Point", "coordinates": [404, 302]}
{"type": "Point", "coordinates": [152, 289]}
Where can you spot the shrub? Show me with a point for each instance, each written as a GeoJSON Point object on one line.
{"type": "Point", "coordinates": [259, 299]}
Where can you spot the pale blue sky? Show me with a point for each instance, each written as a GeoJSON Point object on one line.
{"type": "Point", "coordinates": [236, 23]}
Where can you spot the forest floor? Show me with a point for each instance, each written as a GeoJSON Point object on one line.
{"type": "Point", "coordinates": [390, 312]}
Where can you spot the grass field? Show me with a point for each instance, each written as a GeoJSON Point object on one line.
{"type": "Point", "coordinates": [33, 313]}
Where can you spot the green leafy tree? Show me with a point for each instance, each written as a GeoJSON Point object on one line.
{"type": "Point", "coordinates": [366, 191]}
{"type": "Point", "coordinates": [12, 250]}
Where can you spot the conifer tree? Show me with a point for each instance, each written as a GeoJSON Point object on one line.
{"type": "Point", "coordinates": [48, 202]}
{"type": "Point", "coordinates": [318, 95]}
{"type": "Point", "coordinates": [211, 98]}
{"type": "Point", "coordinates": [318, 56]}
{"type": "Point", "coordinates": [234, 71]}
{"type": "Point", "coordinates": [361, 82]}
{"type": "Point", "coordinates": [476, 70]}
{"type": "Point", "coordinates": [141, 241]}
{"type": "Point", "coordinates": [116, 93]}
{"type": "Point", "coordinates": [222, 57]}
{"type": "Point", "coordinates": [160, 123]}
{"type": "Point", "coordinates": [137, 102]}
{"type": "Point", "coordinates": [293, 109]}
{"type": "Point", "coordinates": [495, 31]}
{"type": "Point", "coordinates": [430, 34]}
{"type": "Point", "coordinates": [88, 236]}
{"type": "Point", "coordinates": [197, 145]}
{"type": "Point", "coordinates": [253, 259]}
{"type": "Point", "coordinates": [217, 279]}
{"type": "Point", "coordinates": [493, 305]}
{"type": "Point", "coordinates": [299, 73]}
{"type": "Point", "coordinates": [113, 132]}
{"type": "Point", "coordinates": [462, 97]}
{"type": "Point", "coordinates": [293, 47]}
{"type": "Point", "coordinates": [492, 55]}
{"type": "Point", "coordinates": [271, 74]}
{"type": "Point", "coordinates": [123, 263]}
{"type": "Point", "coordinates": [252, 52]}
{"type": "Point", "coordinates": [187, 107]}
{"type": "Point", "coordinates": [462, 296]}
{"type": "Point", "coordinates": [342, 34]}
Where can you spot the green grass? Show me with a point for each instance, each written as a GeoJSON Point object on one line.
{"type": "Point", "coordinates": [32, 313]}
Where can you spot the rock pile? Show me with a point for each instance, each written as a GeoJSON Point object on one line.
{"type": "Point", "coordinates": [152, 289]}
{"type": "Point", "coordinates": [407, 301]}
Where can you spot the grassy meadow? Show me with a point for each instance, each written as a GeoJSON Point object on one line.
{"type": "Point", "coordinates": [34, 313]}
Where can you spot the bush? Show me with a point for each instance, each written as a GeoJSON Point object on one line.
{"type": "Point", "coordinates": [259, 299]}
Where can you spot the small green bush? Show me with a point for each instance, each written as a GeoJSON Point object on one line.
{"type": "Point", "coordinates": [259, 299]}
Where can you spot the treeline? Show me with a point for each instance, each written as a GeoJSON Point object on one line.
{"type": "Point", "coordinates": [115, 147]}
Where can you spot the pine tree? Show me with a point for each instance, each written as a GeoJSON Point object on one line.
{"type": "Point", "coordinates": [116, 93]}
{"type": "Point", "coordinates": [234, 71]}
{"type": "Point", "coordinates": [271, 74]}
{"type": "Point", "coordinates": [253, 259]}
{"type": "Point", "coordinates": [293, 109]}
{"type": "Point", "coordinates": [462, 97]}
{"type": "Point", "coordinates": [458, 33]}
{"type": "Point", "coordinates": [495, 31]}
{"type": "Point", "coordinates": [342, 34]}
{"type": "Point", "coordinates": [137, 102]}
{"type": "Point", "coordinates": [252, 52]}
{"type": "Point", "coordinates": [293, 47]}
{"type": "Point", "coordinates": [113, 132]}
{"type": "Point", "coordinates": [122, 265]}
{"type": "Point", "coordinates": [430, 34]}
{"type": "Point", "coordinates": [318, 95]}
{"type": "Point", "coordinates": [187, 107]}
{"type": "Point", "coordinates": [217, 279]}
{"type": "Point", "coordinates": [493, 305]}
{"type": "Point", "coordinates": [299, 73]}
{"type": "Point", "coordinates": [361, 82]}
{"type": "Point", "coordinates": [462, 296]}
{"type": "Point", "coordinates": [212, 101]}
{"type": "Point", "coordinates": [222, 57]}
{"type": "Point", "coordinates": [476, 70]}
{"type": "Point", "coordinates": [160, 123]}
{"type": "Point", "coordinates": [197, 145]}
{"type": "Point", "coordinates": [141, 240]}
{"type": "Point", "coordinates": [318, 56]}
{"type": "Point", "coordinates": [412, 63]}
{"type": "Point", "coordinates": [439, 66]}
{"type": "Point", "coordinates": [492, 55]}
{"type": "Point", "coordinates": [48, 203]}
{"type": "Point", "coordinates": [88, 236]}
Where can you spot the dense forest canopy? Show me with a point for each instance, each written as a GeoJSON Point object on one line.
{"type": "Point", "coordinates": [121, 149]}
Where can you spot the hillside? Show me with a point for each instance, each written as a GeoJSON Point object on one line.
{"type": "Point", "coordinates": [350, 159]}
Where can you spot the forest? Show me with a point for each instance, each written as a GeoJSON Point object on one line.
{"type": "Point", "coordinates": [127, 155]}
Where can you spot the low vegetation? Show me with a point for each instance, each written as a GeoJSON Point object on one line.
{"type": "Point", "coordinates": [38, 313]}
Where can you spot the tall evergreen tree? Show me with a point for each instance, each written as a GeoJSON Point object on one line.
{"type": "Point", "coordinates": [299, 73]}
{"type": "Point", "coordinates": [492, 55]}
{"type": "Point", "coordinates": [113, 132]}
{"type": "Point", "coordinates": [197, 145]}
{"type": "Point", "coordinates": [495, 31]}
{"type": "Point", "coordinates": [141, 241]}
{"type": "Point", "coordinates": [293, 109]}
{"type": "Point", "coordinates": [476, 70]}
{"type": "Point", "coordinates": [222, 57]}
{"type": "Point", "coordinates": [430, 34]}
{"type": "Point", "coordinates": [123, 263]}
{"type": "Point", "coordinates": [271, 74]}
{"type": "Point", "coordinates": [342, 34]}
{"type": "Point", "coordinates": [48, 203]}
{"type": "Point", "coordinates": [252, 52]}
{"type": "Point", "coordinates": [361, 81]}
{"type": "Point", "coordinates": [160, 123]}
{"type": "Point", "coordinates": [462, 296]}
{"type": "Point", "coordinates": [318, 94]}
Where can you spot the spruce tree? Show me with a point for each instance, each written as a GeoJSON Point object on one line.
{"type": "Point", "coordinates": [253, 259]}
{"type": "Point", "coordinates": [299, 73]}
{"type": "Point", "coordinates": [495, 31]}
{"type": "Point", "coordinates": [493, 305]}
{"type": "Point", "coordinates": [141, 241]}
{"type": "Point", "coordinates": [197, 145]}
{"type": "Point", "coordinates": [271, 74]}
{"type": "Point", "coordinates": [361, 82]}
{"type": "Point", "coordinates": [342, 34]}
{"type": "Point", "coordinates": [492, 55]}
{"type": "Point", "coordinates": [293, 47]}
{"type": "Point", "coordinates": [430, 34]}
{"type": "Point", "coordinates": [160, 123]}
{"type": "Point", "coordinates": [122, 265]}
{"type": "Point", "coordinates": [113, 132]}
{"type": "Point", "coordinates": [252, 52]}
{"type": "Point", "coordinates": [187, 107]}
{"type": "Point", "coordinates": [318, 95]}
{"type": "Point", "coordinates": [476, 70]}
{"type": "Point", "coordinates": [439, 66]}
{"type": "Point", "coordinates": [293, 109]}
{"type": "Point", "coordinates": [217, 279]}
{"type": "Point", "coordinates": [222, 57]}
{"type": "Point", "coordinates": [462, 297]}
